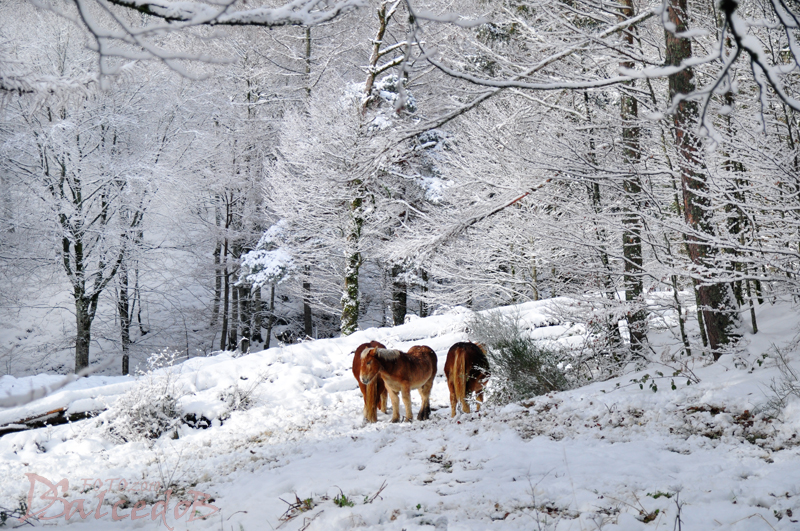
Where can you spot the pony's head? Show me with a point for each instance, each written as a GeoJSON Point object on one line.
{"type": "Point", "coordinates": [372, 360]}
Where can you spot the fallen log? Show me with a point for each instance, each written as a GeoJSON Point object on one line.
{"type": "Point", "coordinates": [51, 418]}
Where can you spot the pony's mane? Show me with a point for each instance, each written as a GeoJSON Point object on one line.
{"type": "Point", "coordinates": [387, 354]}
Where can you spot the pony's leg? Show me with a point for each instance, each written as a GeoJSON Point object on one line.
{"type": "Point", "coordinates": [395, 405]}
{"type": "Point", "coordinates": [384, 400]}
{"type": "Point", "coordinates": [370, 406]}
{"type": "Point", "coordinates": [407, 402]}
{"type": "Point", "coordinates": [363, 389]}
{"type": "Point", "coordinates": [463, 399]}
{"type": "Point", "coordinates": [453, 399]}
{"type": "Point", "coordinates": [479, 399]}
{"type": "Point", "coordinates": [425, 394]}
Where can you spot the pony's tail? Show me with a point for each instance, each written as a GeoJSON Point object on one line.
{"type": "Point", "coordinates": [371, 401]}
{"type": "Point", "coordinates": [460, 370]}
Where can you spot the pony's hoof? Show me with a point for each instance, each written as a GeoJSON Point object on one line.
{"type": "Point", "coordinates": [394, 421]}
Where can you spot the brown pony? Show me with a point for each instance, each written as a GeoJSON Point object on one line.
{"type": "Point", "coordinates": [375, 391]}
{"type": "Point", "coordinates": [402, 372]}
{"type": "Point", "coordinates": [467, 370]}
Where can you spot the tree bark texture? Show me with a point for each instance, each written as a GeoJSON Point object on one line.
{"type": "Point", "coordinates": [714, 298]}
{"type": "Point", "coordinates": [632, 186]}
{"type": "Point", "coordinates": [399, 296]}
{"type": "Point", "coordinates": [350, 297]}
{"type": "Point", "coordinates": [124, 311]}
{"type": "Point", "coordinates": [308, 322]}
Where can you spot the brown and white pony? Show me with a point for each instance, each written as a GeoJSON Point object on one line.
{"type": "Point", "coordinates": [375, 393]}
{"type": "Point", "coordinates": [402, 372]}
{"type": "Point", "coordinates": [467, 370]}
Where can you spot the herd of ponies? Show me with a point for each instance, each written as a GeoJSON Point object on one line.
{"type": "Point", "coordinates": [380, 371]}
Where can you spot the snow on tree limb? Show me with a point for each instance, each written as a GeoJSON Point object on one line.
{"type": "Point", "coordinates": [115, 37]}
{"type": "Point", "coordinates": [295, 13]}
{"type": "Point", "coordinates": [518, 80]}
{"type": "Point", "coordinates": [739, 30]}
{"type": "Point", "coordinates": [460, 227]}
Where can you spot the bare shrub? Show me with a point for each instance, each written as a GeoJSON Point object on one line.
{"type": "Point", "coordinates": [150, 409]}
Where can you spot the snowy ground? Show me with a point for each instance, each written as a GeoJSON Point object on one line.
{"type": "Point", "coordinates": [606, 456]}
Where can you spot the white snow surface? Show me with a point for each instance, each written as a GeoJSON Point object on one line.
{"type": "Point", "coordinates": [605, 456]}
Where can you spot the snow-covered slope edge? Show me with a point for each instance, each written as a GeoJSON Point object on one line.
{"type": "Point", "coordinates": [603, 456]}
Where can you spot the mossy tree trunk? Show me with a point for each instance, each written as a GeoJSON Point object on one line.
{"type": "Point", "coordinates": [350, 298]}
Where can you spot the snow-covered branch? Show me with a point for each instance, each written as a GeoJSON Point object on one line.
{"type": "Point", "coordinates": [295, 13]}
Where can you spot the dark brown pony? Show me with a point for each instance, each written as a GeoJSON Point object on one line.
{"type": "Point", "coordinates": [467, 370]}
{"type": "Point", "coordinates": [402, 372]}
{"type": "Point", "coordinates": [375, 393]}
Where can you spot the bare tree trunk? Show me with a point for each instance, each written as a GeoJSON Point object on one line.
{"type": "Point", "coordinates": [399, 296]}
{"type": "Point", "coordinates": [246, 312]}
{"type": "Point", "coordinates": [233, 331]}
{"type": "Point", "coordinates": [271, 318]}
{"type": "Point", "coordinates": [258, 315]}
{"type": "Point", "coordinates": [350, 298]}
{"type": "Point", "coordinates": [223, 340]}
{"type": "Point", "coordinates": [716, 304]}
{"type": "Point", "coordinates": [217, 266]}
{"type": "Point", "coordinates": [308, 324]}
{"type": "Point", "coordinates": [123, 308]}
{"type": "Point", "coordinates": [137, 296]}
{"type": "Point", "coordinates": [83, 321]}
{"type": "Point", "coordinates": [632, 223]}
{"type": "Point", "coordinates": [423, 288]}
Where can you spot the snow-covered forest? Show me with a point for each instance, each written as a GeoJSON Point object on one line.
{"type": "Point", "coordinates": [253, 182]}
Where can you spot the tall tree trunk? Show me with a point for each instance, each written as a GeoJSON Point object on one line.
{"type": "Point", "coordinates": [217, 266]}
{"type": "Point", "coordinates": [423, 289]}
{"type": "Point", "coordinates": [223, 340]}
{"type": "Point", "coordinates": [399, 296]}
{"type": "Point", "coordinates": [350, 302]}
{"type": "Point", "coordinates": [258, 315]}
{"type": "Point", "coordinates": [719, 313]}
{"type": "Point", "coordinates": [246, 312]}
{"type": "Point", "coordinates": [271, 316]}
{"type": "Point", "coordinates": [632, 223]}
{"type": "Point", "coordinates": [137, 296]}
{"type": "Point", "coordinates": [83, 321]}
{"type": "Point", "coordinates": [124, 310]}
{"type": "Point", "coordinates": [233, 330]}
{"type": "Point", "coordinates": [308, 323]}
{"type": "Point", "coordinates": [350, 297]}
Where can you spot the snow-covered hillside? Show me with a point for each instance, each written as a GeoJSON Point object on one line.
{"type": "Point", "coordinates": [609, 456]}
